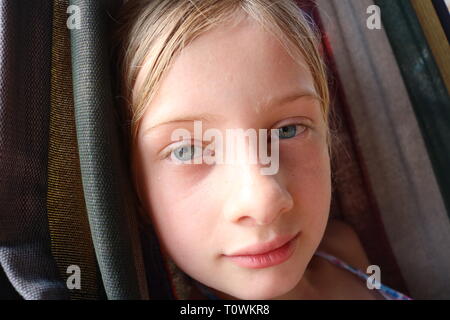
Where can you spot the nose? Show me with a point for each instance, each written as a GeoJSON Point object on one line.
{"type": "Point", "coordinates": [255, 199]}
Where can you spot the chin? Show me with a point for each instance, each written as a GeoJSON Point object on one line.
{"type": "Point", "coordinates": [264, 294]}
{"type": "Point", "coordinates": [268, 289]}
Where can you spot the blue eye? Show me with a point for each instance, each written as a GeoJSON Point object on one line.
{"type": "Point", "coordinates": [288, 132]}
{"type": "Point", "coordinates": [186, 152]}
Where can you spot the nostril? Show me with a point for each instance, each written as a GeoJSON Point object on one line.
{"type": "Point", "coordinates": [254, 199]}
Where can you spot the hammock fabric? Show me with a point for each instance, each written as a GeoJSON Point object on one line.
{"type": "Point", "coordinates": [399, 176]}
{"type": "Point", "coordinates": [25, 66]}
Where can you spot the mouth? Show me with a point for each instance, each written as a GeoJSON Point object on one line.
{"type": "Point", "coordinates": [264, 255]}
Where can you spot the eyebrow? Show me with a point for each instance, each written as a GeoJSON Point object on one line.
{"type": "Point", "coordinates": [208, 117]}
{"type": "Point", "coordinates": [204, 117]}
{"type": "Point", "coordinates": [279, 101]}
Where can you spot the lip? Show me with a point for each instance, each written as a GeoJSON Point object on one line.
{"type": "Point", "coordinates": [264, 255]}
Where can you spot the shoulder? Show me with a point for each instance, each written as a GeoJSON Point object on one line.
{"type": "Point", "coordinates": [342, 241]}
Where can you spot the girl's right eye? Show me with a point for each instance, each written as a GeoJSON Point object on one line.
{"type": "Point", "coordinates": [186, 153]}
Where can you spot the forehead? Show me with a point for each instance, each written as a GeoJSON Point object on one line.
{"type": "Point", "coordinates": [229, 68]}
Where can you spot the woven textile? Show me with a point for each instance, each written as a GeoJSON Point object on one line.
{"type": "Point", "coordinates": [68, 224]}
{"type": "Point", "coordinates": [352, 188]}
{"type": "Point", "coordinates": [429, 96]}
{"type": "Point", "coordinates": [392, 148]}
{"type": "Point", "coordinates": [111, 215]}
{"type": "Point", "coordinates": [25, 254]}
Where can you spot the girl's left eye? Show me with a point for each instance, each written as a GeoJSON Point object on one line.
{"type": "Point", "coordinates": [290, 131]}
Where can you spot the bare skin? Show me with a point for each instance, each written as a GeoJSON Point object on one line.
{"type": "Point", "coordinates": [330, 282]}
{"type": "Point", "coordinates": [333, 282]}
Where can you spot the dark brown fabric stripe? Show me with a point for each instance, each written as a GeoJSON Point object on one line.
{"type": "Point", "coordinates": [71, 240]}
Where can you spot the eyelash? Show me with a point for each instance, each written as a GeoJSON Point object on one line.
{"type": "Point", "coordinates": [167, 154]}
{"type": "Point", "coordinates": [305, 129]}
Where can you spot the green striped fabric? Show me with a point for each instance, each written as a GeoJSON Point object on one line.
{"type": "Point", "coordinates": [111, 216]}
{"type": "Point", "coordinates": [425, 86]}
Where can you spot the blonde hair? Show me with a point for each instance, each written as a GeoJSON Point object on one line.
{"type": "Point", "coordinates": [152, 32]}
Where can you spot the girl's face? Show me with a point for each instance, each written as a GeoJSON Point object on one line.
{"type": "Point", "coordinates": [236, 77]}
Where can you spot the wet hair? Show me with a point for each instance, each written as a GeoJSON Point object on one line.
{"type": "Point", "coordinates": [152, 32]}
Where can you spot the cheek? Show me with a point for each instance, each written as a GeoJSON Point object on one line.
{"type": "Point", "coordinates": [308, 179]}
{"type": "Point", "coordinates": [179, 210]}
{"type": "Point", "coordinates": [306, 170]}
